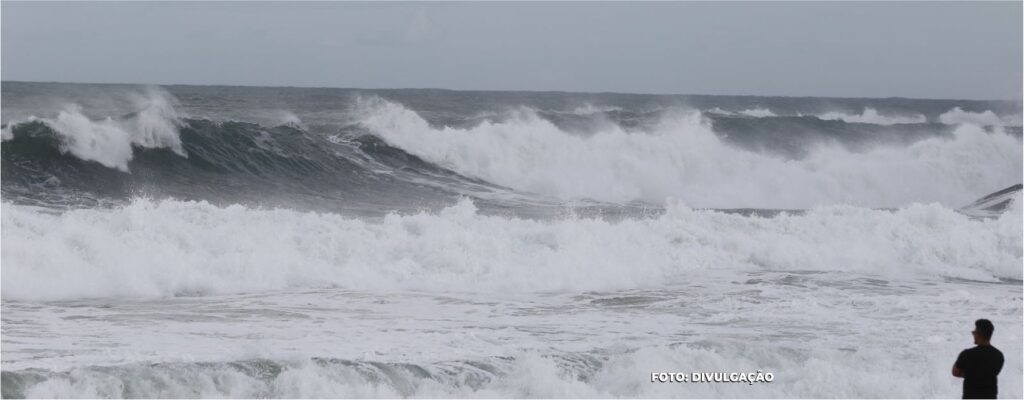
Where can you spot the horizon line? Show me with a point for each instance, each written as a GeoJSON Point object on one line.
{"type": "Point", "coordinates": [1016, 100]}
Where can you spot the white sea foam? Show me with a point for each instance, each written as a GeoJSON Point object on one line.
{"type": "Point", "coordinates": [683, 158]}
{"type": "Point", "coordinates": [824, 338]}
{"type": "Point", "coordinates": [823, 372]}
{"type": "Point", "coordinates": [6, 133]}
{"type": "Point", "coordinates": [958, 116]}
{"type": "Point", "coordinates": [871, 116]}
{"type": "Point", "coordinates": [109, 141]}
{"type": "Point", "coordinates": [171, 247]}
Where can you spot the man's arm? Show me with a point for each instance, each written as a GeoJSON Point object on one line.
{"type": "Point", "coordinates": [957, 371]}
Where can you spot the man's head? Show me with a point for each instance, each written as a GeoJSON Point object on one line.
{"type": "Point", "coordinates": [982, 331]}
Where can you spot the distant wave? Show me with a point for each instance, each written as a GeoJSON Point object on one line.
{"type": "Point", "coordinates": [682, 157]}
{"type": "Point", "coordinates": [167, 248]}
{"type": "Point", "coordinates": [871, 116]}
{"type": "Point", "coordinates": [868, 116]}
{"type": "Point", "coordinates": [955, 116]}
{"type": "Point", "coordinates": [588, 109]}
{"type": "Point", "coordinates": [958, 116]}
{"type": "Point", "coordinates": [757, 112]}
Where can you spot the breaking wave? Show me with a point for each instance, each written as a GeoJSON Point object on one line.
{"type": "Point", "coordinates": [715, 161]}
{"type": "Point", "coordinates": [110, 141]}
{"type": "Point", "coordinates": [167, 248]}
{"type": "Point", "coordinates": [682, 157]}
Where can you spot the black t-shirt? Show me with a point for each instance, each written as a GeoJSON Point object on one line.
{"type": "Point", "coordinates": [980, 365]}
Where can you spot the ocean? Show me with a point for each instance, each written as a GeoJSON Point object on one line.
{"type": "Point", "coordinates": [208, 241]}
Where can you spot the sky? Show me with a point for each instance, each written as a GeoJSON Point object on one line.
{"type": "Point", "coordinates": [919, 49]}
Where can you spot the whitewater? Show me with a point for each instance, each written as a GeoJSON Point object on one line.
{"type": "Point", "coordinates": [198, 241]}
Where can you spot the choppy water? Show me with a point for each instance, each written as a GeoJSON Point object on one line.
{"type": "Point", "coordinates": [246, 242]}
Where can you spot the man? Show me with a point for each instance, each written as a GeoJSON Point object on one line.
{"type": "Point", "coordinates": [980, 365]}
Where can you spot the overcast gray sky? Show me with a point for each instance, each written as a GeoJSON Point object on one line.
{"type": "Point", "coordinates": [929, 50]}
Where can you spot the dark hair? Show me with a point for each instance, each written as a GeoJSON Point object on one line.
{"type": "Point", "coordinates": [984, 327]}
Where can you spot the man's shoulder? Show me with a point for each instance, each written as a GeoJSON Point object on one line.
{"type": "Point", "coordinates": [986, 348]}
{"type": "Point", "coordinates": [973, 352]}
{"type": "Point", "coordinates": [984, 351]}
